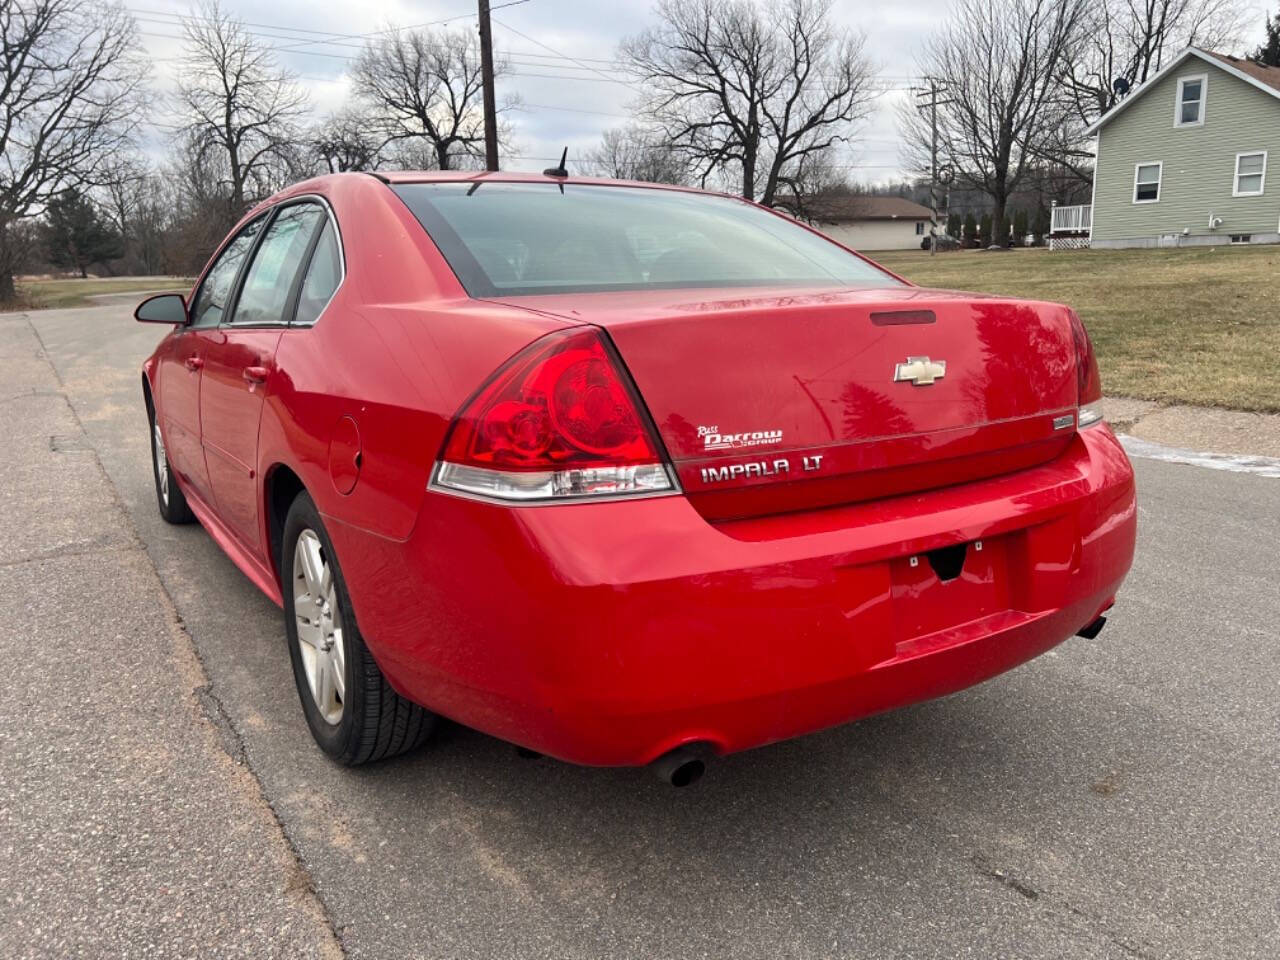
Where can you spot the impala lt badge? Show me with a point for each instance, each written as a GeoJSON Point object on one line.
{"type": "Point", "coordinates": [920, 370]}
{"type": "Point", "coordinates": [760, 468]}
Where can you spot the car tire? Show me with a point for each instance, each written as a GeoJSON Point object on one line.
{"type": "Point", "coordinates": [354, 715]}
{"type": "Point", "coordinates": [169, 496]}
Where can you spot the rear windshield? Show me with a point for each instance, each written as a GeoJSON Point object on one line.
{"type": "Point", "coordinates": [515, 239]}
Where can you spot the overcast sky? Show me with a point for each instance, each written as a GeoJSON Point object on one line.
{"type": "Point", "coordinates": [561, 53]}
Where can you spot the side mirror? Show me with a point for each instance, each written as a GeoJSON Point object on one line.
{"type": "Point", "coordinates": [163, 308]}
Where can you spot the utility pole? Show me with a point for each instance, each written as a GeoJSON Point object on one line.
{"type": "Point", "coordinates": [490, 101]}
{"type": "Point", "coordinates": [932, 104]}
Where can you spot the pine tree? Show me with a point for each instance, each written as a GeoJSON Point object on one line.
{"type": "Point", "coordinates": [953, 225]}
{"type": "Point", "coordinates": [984, 227]}
{"type": "Point", "coordinates": [76, 234]}
{"type": "Point", "coordinates": [1269, 53]}
{"type": "Point", "coordinates": [970, 228]}
{"type": "Point", "coordinates": [1040, 228]}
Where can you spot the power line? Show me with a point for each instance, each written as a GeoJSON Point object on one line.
{"type": "Point", "coordinates": [559, 63]}
{"type": "Point", "coordinates": [433, 23]}
{"type": "Point", "coordinates": [338, 39]}
{"type": "Point", "coordinates": [176, 19]}
{"type": "Point", "coordinates": [552, 49]}
{"type": "Point", "coordinates": [882, 82]}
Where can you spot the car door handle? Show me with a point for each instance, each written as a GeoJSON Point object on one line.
{"type": "Point", "coordinates": [193, 363]}
{"type": "Point", "coordinates": [255, 375]}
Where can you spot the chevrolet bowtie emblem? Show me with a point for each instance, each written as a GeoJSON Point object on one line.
{"type": "Point", "coordinates": [920, 370]}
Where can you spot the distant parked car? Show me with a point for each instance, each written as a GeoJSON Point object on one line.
{"type": "Point", "coordinates": [945, 242]}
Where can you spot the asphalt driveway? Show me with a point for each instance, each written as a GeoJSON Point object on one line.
{"type": "Point", "coordinates": [1116, 798]}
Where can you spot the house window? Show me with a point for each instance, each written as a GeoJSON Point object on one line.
{"type": "Point", "coordinates": [1190, 106]}
{"type": "Point", "coordinates": [1242, 238]}
{"type": "Point", "coordinates": [1251, 174]}
{"type": "Point", "coordinates": [1146, 182]}
{"type": "Point", "coordinates": [919, 228]}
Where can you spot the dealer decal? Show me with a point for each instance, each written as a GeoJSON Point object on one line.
{"type": "Point", "coordinates": [713, 439]}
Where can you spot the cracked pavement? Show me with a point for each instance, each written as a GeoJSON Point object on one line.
{"type": "Point", "coordinates": [126, 827]}
{"type": "Point", "coordinates": [159, 793]}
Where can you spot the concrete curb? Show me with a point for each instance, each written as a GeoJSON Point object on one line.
{"type": "Point", "coordinates": [1208, 429]}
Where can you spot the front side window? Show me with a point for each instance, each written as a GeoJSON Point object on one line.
{"type": "Point", "coordinates": [1251, 174]}
{"type": "Point", "coordinates": [519, 239]}
{"type": "Point", "coordinates": [1190, 105]}
{"type": "Point", "coordinates": [275, 266]}
{"type": "Point", "coordinates": [919, 228]}
{"type": "Point", "coordinates": [211, 299]}
{"type": "Point", "coordinates": [1146, 182]}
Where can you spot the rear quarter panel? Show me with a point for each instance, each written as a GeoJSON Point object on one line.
{"type": "Point", "coordinates": [398, 350]}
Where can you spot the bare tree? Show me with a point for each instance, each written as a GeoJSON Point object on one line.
{"type": "Point", "coordinates": [424, 86]}
{"type": "Point", "coordinates": [239, 105]}
{"type": "Point", "coordinates": [998, 63]}
{"type": "Point", "coordinates": [635, 153]}
{"type": "Point", "coordinates": [140, 204]}
{"type": "Point", "coordinates": [70, 77]}
{"type": "Point", "coordinates": [346, 141]}
{"type": "Point", "coordinates": [814, 185]}
{"type": "Point", "coordinates": [117, 195]}
{"type": "Point", "coordinates": [1130, 40]}
{"type": "Point", "coordinates": [202, 213]}
{"type": "Point", "coordinates": [749, 88]}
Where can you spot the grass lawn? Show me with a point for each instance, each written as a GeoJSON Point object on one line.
{"type": "Point", "coordinates": [1198, 326]}
{"type": "Point", "coordinates": [74, 292]}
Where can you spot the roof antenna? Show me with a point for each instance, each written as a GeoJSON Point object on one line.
{"type": "Point", "coordinates": [559, 171]}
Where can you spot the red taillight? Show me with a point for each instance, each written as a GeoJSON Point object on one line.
{"type": "Point", "coordinates": [1088, 380]}
{"type": "Point", "coordinates": [558, 419]}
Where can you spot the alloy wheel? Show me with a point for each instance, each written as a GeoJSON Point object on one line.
{"type": "Point", "coordinates": [162, 463]}
{"type": "Point", "coordinates": [319, 622]}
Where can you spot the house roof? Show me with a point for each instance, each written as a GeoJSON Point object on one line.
{"type": "Point", "coordinates": [1266, 79]}
{"type": "Point", "coordinates": [843, 207]}
{"type": "Point", "coordinates": [1270, 76]}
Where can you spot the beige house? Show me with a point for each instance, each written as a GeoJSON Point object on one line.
{"type": "Point", "coordinates": [871, 223]}
{"type": "Point", "coordinates": [1185, 159]}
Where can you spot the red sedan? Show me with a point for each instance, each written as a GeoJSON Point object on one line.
{"type": "Point", "coordinates": [625, 474]}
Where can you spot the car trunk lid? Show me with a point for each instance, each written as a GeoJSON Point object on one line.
{"type": "Point", "coordinates": [780, 400]}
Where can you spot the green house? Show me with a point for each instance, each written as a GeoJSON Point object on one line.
{"type": "Point", "coordinates": [1185, 158]}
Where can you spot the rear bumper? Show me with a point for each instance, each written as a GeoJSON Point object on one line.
{"type": "Point", "coordinates": [610, 633]}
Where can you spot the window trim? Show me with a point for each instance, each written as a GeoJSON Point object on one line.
{"type": "Point", "coordinates": [342, 264]}
{"type": "Point", "coordinates": [291, 304]}
{"type": "Point", "coordinates": [264, 219]}
{"type": "Point", "coordinates": [1262, 185]}
{"type": "Point", "coordinates": [1203, 101]}
{"type": "Point", "coordinates": [1159, 165]}
{"type": "Point", "coordinates": [295, 297]}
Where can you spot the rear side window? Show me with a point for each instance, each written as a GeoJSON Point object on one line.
{"type": "Point", "coordinates": [323, 275]}
{"type": "Point", "coordinates": [214, 293]}
{"type": "Point", "coordinates": [275, 266]}
{"type": "Point", "coordinates": [529, 238]}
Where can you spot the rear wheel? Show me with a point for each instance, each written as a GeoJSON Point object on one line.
{"type": "Point", "coordinates": [169, 496]}
{"type": "Point", "coordinates": [352, 711]}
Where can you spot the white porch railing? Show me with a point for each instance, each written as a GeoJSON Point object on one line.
{"type": "Point", "coordinates": [1071, 219]}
